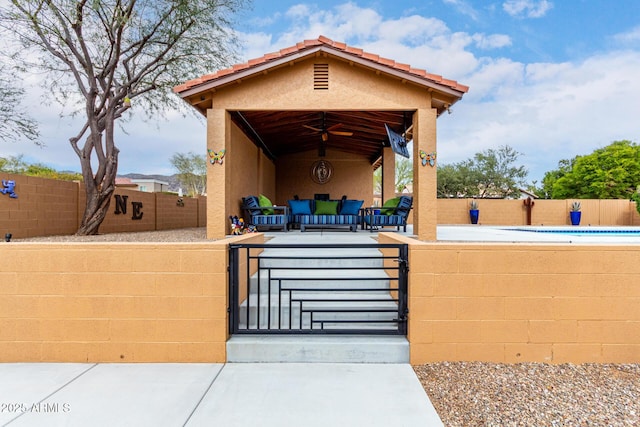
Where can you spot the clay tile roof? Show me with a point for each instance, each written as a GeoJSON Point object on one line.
{"type": "Point", "coordinates": [386, 61]}
{"type": "Point", "coordinates": [354, 50]}
{"type": "Point", "coordinates": [371, 56]}
{"type": "Point", "coordinates": [320, 41]}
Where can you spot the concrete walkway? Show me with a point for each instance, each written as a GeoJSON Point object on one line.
{"type": "Point", "coordinates": [232, 395]}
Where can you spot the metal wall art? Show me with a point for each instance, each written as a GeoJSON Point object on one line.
{"type": "Point", "coordinates": [321, 171]}
{"type": "Point", "coordinates": [216, 157]}
{"type": "Point", "coordinates": [428, 158]}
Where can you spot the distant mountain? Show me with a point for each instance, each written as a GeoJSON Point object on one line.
{"type": "Point", "coordinates": [174, 185]}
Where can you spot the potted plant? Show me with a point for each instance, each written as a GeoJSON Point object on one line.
{"type": "Point", "coordinates": [474, 213]}
{"type": "Point", "coordinates": [575, 213]}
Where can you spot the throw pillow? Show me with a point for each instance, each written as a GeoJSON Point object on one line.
{"type": "Point", "coordinates": [264, 203]}
{"type": "Point", "coordinates": [300, 207]}
{"type": "Point", "coordinates": [391, 204]}
{"type": "Point", "coordinates": [351, 207]}
{"type": "Point", "coordinates": [328, 207]}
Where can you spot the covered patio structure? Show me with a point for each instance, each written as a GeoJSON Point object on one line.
{"type": "Point", "coordinates": [269, 120]}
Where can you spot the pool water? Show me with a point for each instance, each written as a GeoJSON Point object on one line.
{"type": "Point", "coordinates": [584, 232]}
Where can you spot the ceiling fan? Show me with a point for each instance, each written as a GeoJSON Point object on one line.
{"type": "Point", "coordinates": [325, 131]}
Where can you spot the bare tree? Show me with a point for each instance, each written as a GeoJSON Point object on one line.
{"type": "Point", "coordinates": [103, 56]}
{"type": "Point", "coordinates": [15, 123]}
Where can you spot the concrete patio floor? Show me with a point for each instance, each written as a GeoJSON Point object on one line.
{"type": "Point", "coordinates": [237, 395]}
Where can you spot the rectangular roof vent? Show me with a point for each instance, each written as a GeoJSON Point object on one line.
{"type": "Point", "coordinates": [320, 76]}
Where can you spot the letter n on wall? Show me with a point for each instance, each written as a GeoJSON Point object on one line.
{"type": "Point", "coordinates": [121, 204]}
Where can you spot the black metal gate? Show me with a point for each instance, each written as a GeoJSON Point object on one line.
{"type": "Point", "coordinates": [318, 289]}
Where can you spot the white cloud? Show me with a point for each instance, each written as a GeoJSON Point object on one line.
{"type": "Point", "coordinates": [491, 41]}
{"type": "Point", "coordinates": [548, 112]}
{"type": "Point", "coordinates": [464, 8]}
{"type": "Point", "coordinates": [629, 37]}
{"type": "Point", "coordinates": [528, 8]}
{"type": "Point", "coordinates": [423, 42]}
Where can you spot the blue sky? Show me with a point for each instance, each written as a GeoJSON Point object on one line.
{"type": "Point", "coordinates": [551, 78]}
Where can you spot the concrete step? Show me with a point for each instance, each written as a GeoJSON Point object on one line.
{"type": "Point", "coordinates": [329, 258]}
{"type": "Point", "coordinates": [369, 314]}
{"type": "Point", "coordinates": [302, 261]}
{"type": "Point", "coordinates": [303, 287]}
{"type": "Point", "coordinates": [317, 349]}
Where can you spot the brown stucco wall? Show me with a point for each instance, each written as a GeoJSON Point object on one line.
{"type": "Point", "coordinates": [43, 207]}
{"type": "Point", "coordinates": [544, 212]}
{"type": "Point", "coordinates": [352, 176]}
{"type": "Point", "coordinates": [128, 302]}
{"type": "Point", "coordinates": [351, 87]}
{"type": "Point", "coordinates": [124, 222]}
{"type": "Point", "coordinates": [522, 302]}
{"type": "Point", "coordinates": [251, 173]}
{"type": "Point", "coordinates": [47, 207]}
{"type": "Point", "coordinates": [115, 302]}
{"type": "Point", "coordinates": [170, 214]}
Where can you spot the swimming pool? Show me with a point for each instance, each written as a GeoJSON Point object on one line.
{"type": "Point", "coordinates": [556, 234]}
{"type": "Point", "coordinates": [616, 232]}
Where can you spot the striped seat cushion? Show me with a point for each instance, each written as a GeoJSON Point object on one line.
{"type": "Point", "coordinates": [384, 220]}
{"type": "Point", "coordinates": [268, 219]}
{"type": "Point", "coordinates": [329, 219]}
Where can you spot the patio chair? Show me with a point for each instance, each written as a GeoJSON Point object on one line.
{"type": "Point", "coordinates": [263, 215]}
{"type": "Point", "coordinates": [376, 217]}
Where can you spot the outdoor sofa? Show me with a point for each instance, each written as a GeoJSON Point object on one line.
{"type": "Point", "coordinates": [393, 212]}
{"type": "Point", "coordinates": [259, 211]}
{"type": "Point", "coordinates": [311, 213]}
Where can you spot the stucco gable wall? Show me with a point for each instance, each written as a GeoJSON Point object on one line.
{"type": "Point", "coordinates": [350, 87]}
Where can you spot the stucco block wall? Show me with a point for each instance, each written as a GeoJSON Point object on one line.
{"type": "Point", "coordinates": [170, 215]}
{"type": "Point", "coordinates": [608, 212]}
{"type": "Point", "coordinates": [116, 302]}
{"type": "Point", "coordinates": [518, 303]}
{"type": "Point", "coordinates": [124, 222]}
{"type": "Point", "coordinates": [43, 207]}
{"type": "Point", "coordinates": [46, 207]}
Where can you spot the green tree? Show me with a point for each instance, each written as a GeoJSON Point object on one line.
{"type": "Point", "coordinates": [13, 164]}
{"type": "Point", "coordinates": [450, 181]}
{"type": "Point", "coordinates": [15, 123]}
{"type": "Point", "coordinates": [612, 172]}
{"type": "Point", "coordinates": [403, 175]}
{"type": "Point", "coordinates": [102, 57]}
{"type": "Point", "coordinates": [192, 172]}
{"type": "Point", "coordinates": [551, 177]}
{"type": "Point", "coordinates": [17, 165]}
{"type": "Point", "coordinates": [491, 173]}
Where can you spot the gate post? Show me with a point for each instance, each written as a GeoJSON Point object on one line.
{"type": "Point", "coordinates": [403, 286]}
{"type": "Point", "coordinates": [233, 270]}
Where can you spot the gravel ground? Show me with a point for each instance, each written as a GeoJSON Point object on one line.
{"type": "Point", "coordinates": [533, 394]}
{"type": "Point", "coordinates": [490, 394]}
{"type": "Point", "coordinates": [198, 234]}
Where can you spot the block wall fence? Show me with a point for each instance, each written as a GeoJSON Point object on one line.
{"type": "Point", "coordinates": [513, 303]}
{"type": "Point", "coordinates": [116, 302]}
{"type": "Point", "coordinates": [46, 207]}
{"type": "Point", "coordinates": [167, 302]}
